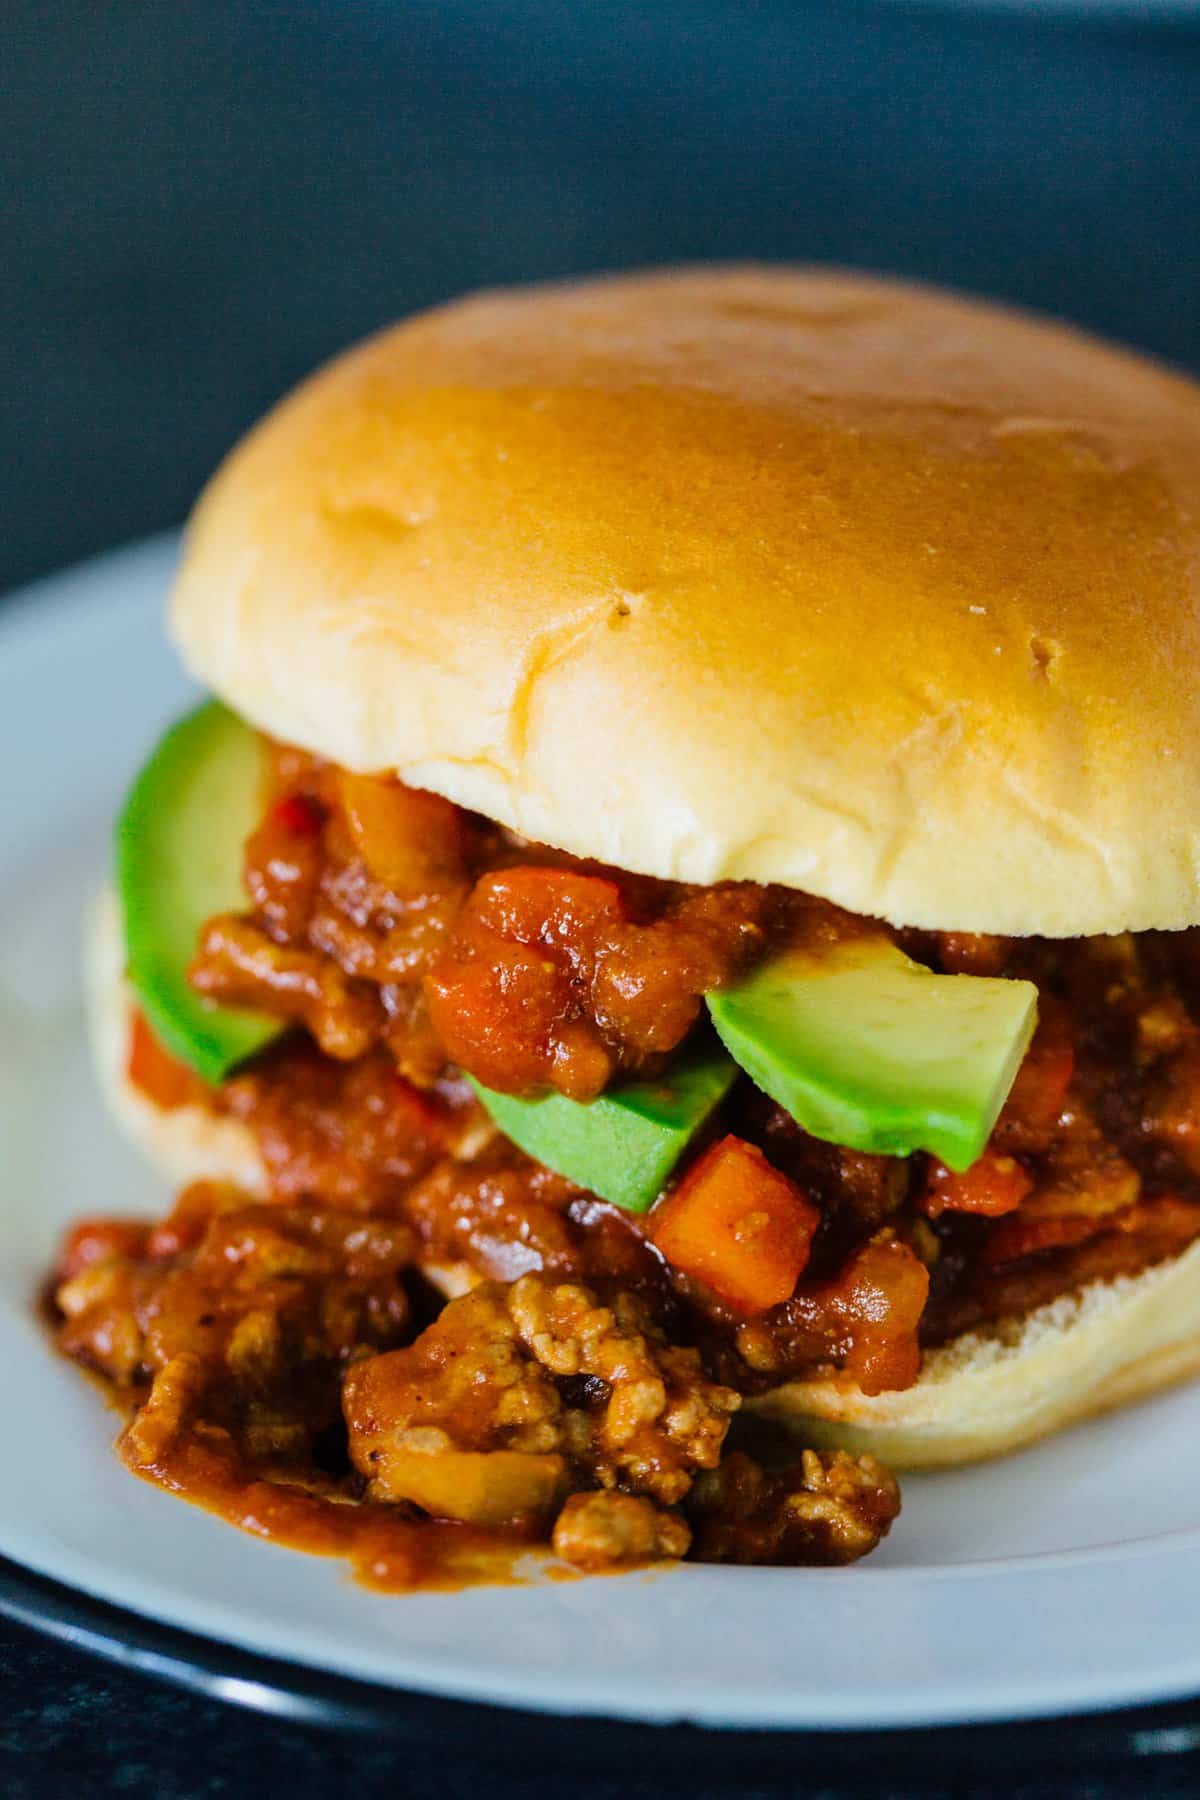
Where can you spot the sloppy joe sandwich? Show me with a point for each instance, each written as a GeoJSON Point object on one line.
{"type": "Point", "coordinates": [678, 906]}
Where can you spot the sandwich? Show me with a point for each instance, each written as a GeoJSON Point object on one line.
{"type": "Point", "coordinates": [693, 835]}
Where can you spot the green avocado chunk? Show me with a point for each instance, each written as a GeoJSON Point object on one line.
{"type": "Point", "coordinates": [179, 849]}
{"type": "Point", "coordinates": [623, 1145]}
{"type": "Point", "coordinates": [864, 1047]}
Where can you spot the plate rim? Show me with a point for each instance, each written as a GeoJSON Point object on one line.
{"type": "Point", "coordinates": [51, 604]}
{"type": "Point", "coordinates": [300, 1694]}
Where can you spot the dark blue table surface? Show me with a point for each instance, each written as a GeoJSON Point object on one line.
{"type": "Point", "coordinates": [198, 202]}
{"type": "Point", "coordinates": [71, 1726]}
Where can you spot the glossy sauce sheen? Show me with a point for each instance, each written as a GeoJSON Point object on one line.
{"type": "Point", "coordinates": [281, 1366]}
{"type": "Point", "coordinates": [539, 968]}
{"type": "Point", "coordinates": [292, 1371]}
{"type": "Point", "coordinates": [384, 1549]}
{"type": "Point", "coordinates": [387, 916]}
{"type": "Point", "coordinates": [390, 1549]}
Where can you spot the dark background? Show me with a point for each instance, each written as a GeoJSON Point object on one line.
{"type": "Point", "coordinates": [200, 201]}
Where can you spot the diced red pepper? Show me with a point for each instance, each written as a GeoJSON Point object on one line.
{"type": "Point", "coordinates": [992, 1186]}
{"type": "Point", "coordinates": [298, 814]}
{"type": "Point", "coordinates": [738, 1224]}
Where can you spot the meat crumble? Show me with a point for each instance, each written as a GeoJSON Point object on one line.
{"type": "Point", "coordinates": [584, 1389]}
{"type": "Point", "coordinates": [280, 1342]}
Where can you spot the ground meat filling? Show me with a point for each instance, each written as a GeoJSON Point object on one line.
{"type": "Point", "coordinates": [412, 940]}
{"type": "Point", "coordinates": [584, 1390]}
{"type": "Point", "coordinates": [824, 1509]}
{"type": "Point", "coordinates": [382, 915]}
{"type": "Point", "coordinates": [519, 1395]}
{"type": "Point", "coordinates": [239, 1314]}
{"type": "Point", "coordinates": [283, 1343]}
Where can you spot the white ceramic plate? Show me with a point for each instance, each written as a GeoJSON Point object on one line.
{"type": "Point", "coordinates": [1062, 1579]}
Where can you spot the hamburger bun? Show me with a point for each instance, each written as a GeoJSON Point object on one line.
{"type": "Point", "coordinates": [981, 1395]}
{"type": "Point", "coordinates": [988, 1392]}
{"type": "Point", "coordinates": [758, 573]}
{"type": "Point", "coordinates": [187, 1143]}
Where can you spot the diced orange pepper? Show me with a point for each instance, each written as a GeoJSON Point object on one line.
{"type": "Point", "coordinates": [992, 1186]}
{"type": "Point", "coordinates": [739, 1225]}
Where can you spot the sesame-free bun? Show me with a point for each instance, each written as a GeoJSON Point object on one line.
{"type": "Point", "coordinates": [982, 1394]}
{"type": "Point", "coordinates": [187, 1143]}
{"type": "Point", "coordinates": [771, 573]}
{"type": "Point", "coordinates": [988, 1392]}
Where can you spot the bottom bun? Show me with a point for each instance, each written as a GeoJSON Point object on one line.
{"type": "Point", "coordinates": [982, 1394]}
{"type": "Point", "coordinates": [988, 1392]}
{"type": "Point", "coordinates": [188, 1143]}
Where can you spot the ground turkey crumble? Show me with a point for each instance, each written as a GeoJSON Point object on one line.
{"type": "Point", "coordinates": [584, 1392]}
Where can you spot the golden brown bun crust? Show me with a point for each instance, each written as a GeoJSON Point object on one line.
{"type": "Point", "coordinates": [789, 575]}
{"type": "Point", "coordinates": [977, 1397]}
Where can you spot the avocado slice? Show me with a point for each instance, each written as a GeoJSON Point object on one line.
{"type": "Point", "coordinates": [179, 845]}
{"type": "Point", "coordinates": [864, 1047]}
{"type": "Point", "coordinates": [623, 1145]}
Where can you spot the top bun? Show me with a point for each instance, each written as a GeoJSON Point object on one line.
{"type": "Point", "coordinates": [762, 573]}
